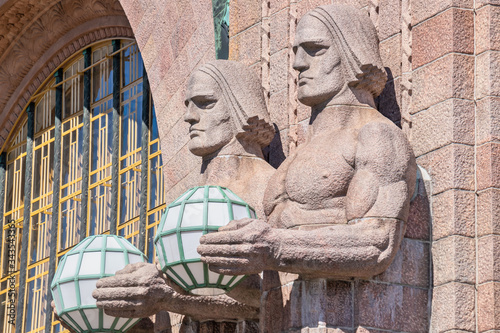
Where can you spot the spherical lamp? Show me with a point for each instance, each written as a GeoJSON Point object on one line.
{"type": "Point", "coordinates": [197, 212]}
{"type": "Point", "coordinates": [76, 276]}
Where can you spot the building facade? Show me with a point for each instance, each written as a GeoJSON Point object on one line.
{"type": "Point", "coordinates": [89, 89]}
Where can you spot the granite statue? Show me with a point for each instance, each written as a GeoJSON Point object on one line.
{"type": "Point", "coordinates": [336, 207]}
{"type": "Point", "coordinates": [229, 126]}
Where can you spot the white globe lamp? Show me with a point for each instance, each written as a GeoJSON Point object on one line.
{"type": "Point", "coordinates": [197, 212]}
{"type": "Point", "coordinates": [93, 258]}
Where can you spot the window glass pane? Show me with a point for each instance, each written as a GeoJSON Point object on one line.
{"type": "Point", "coordinates": [130, 194]}
{"type": "Point", "coordinates": [100, 207]}
{"type": "Point", "coordinates": [8, 304]}
{"type": "Point", "coordinates": [45, 110]}
{"type": "Point", "coordinates": [36, 291]}
{"type": "Point", "coordinates": [102, 74]}
{"type": "Point", "coordinates": [132, 65]}
{"type": "Point", "coordinates": [73, 88]}
{"type": "Point", "coordinates": [69, 223]}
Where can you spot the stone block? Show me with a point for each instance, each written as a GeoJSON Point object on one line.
{"type": "Point", "coordinates": [389, 22]}
{"type": "Point", "coordinates": [454, 260]}
{"type": "Point", "coordinates": [309, 304]}
{"type": "Point", "coordinates": [243, 14]}
{"type": "Point", "coordinates": [488, 166]}
{"type": "Point", "coordinates": [200, 43]}
{"type": "Point", "coordinates": [488, 212]}
{"type": "Point", "coordinates": [302, 131]}
{"type": "Point", "coordinates": [306, 5]}
{"type": "Point", "coordinates": [422, 10]}
{"type": "Point", "coordinates": [488, 307]}
{"type": "Point", "coordinates": [450, 31]}
{"type": "Point", "coordinates": [159, 68]}
{"type": "Point", "coordinates": [453, 214]}
{"type": "Point", "coordinates": [390, 52]}
{"type": "Point", "coordinates": [184, 28]}
{"type": "Point", "coordinates": [245, 47]}
{"type": "Point", "coordinates": [487, 73]}
{"type": "Point", "coordinates": [487, 29]}
{"type": "Point", "coordinates": [488, 120]}
{"type": "Point", "coordinates": [391, 307]}
{"type": "Point", "coordinates": [453, 308]}
{"type": "Point", "coordinates": [202, 10]}
{"type": "Point", "coordinates": [277, 5]}
{"type": "Point", "coordinates": [450, 167]}
{"type": "Point", "coordinates": [447, 77]}
{"type": "Point", "coordinates": [279, 71]}
{"type": "Point", "coordinates": [451, 121]}
{"type": "Point", "coordinates": [176, 138]}
{"type": "Point", "coordinates": [278, 109]}
{"type": "Point", "coordinates": [481, 3]}
{"type": "Point", "coordinates": [488, 258]}
{"type": "Point", "coordinates": [410, 266]}
{"type": "Point", "coordinates": [145, 28]}
{"type": "Point", "coordinates": [279, 26]}
{"type": "Point", "coordinates": [149, 53]}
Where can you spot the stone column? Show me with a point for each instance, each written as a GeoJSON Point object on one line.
{"type": "Point", "coordinates": [487, 93]}
{"type": "Point", "coordinates": [442, 136]}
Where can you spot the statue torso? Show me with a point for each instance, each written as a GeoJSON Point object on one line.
{"type": "Point", "coordinates": [309, 189]}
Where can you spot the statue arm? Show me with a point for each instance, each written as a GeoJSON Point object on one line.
{"type": "Point", "coordinates": [377, 205]}
{"type": "Point", "coordinates": [141, 290]}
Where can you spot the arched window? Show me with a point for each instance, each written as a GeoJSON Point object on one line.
{"type": "Point", "coordinates": [84, 159]}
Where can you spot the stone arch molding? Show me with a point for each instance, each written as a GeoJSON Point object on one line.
{"type": "Point", "coordinates": [36, 36]}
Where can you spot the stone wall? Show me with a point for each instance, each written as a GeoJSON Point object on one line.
{"type": "Point", "coordinates": [441, 57]}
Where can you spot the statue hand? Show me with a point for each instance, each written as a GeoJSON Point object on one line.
{"type": "Point", "coordinates": [246, 246]}
{"type": "Point", "coordinates": [139, 290]}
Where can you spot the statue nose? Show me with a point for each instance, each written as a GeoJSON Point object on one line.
{"type": "Point", "coordinates": [300, 62]}
{"type": "Point", "coordinates": [191, 115]}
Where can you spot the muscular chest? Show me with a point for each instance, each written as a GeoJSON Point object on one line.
{"type": "Point", "coordinates": [321, 170]}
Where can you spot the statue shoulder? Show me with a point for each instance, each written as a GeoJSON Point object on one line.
{"type": "Point", "coordinates": [384, 146]}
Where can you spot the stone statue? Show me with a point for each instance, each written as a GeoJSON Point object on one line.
{"type": "Point", "coordinates": [229, 126]}
{"type": "Point", "coordinates": [337, 207]}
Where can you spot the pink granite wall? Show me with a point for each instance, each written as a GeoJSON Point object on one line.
{"type": "Point", "coordinates": [487, 93]}
{"type": "Point", "coordinates": [261, 35]}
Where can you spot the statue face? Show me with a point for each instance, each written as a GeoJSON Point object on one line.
{"type": "Point", "coordinates": [211, 126]}
{"type": "Point", "coordinates": [318, 62]}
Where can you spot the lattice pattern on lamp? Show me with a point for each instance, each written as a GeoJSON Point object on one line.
{"type": "Point", "coordinates": [197, 212]}
{"type": "Point", "coordinates": [76, 276]}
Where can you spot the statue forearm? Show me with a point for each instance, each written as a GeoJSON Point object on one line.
{"type": "Point", "coordinates": [365, 247]}
{"type": "Point", "coordinates": [220, 307]}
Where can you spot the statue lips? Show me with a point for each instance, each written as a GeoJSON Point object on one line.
{"type": "Point", "coordinates": [193, 132]}
{"type": "Point", "coordinates": [303, 80]}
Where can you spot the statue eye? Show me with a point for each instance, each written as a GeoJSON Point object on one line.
{"type": "Point", "coordinates": [204, 103]}
{"type": "Point", "coordinates": [315, 49]}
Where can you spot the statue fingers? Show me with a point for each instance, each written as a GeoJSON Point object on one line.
{"type": "Point", "coordinates": [229, 250]}
{"type": "Point", "coordinates": [116, 281]}
{"type": "Point", "coordinates": [130, 268]}
{"type": "Point", "coordinates": [135, 309]}
{"type": "Point", "coordinates": [130, 294]}
{"type": "Point", "coordinates": [236, 224]}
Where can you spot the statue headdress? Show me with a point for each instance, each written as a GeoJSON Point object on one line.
{"type": "Point", "coordinates": [355, 37]}
{"type": "Point", "coordinates": [243, 94]}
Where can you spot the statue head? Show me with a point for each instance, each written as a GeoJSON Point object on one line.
{"type": "Point", "coordinates": [225, 104]}
{"type": "Point", "coordinates": [336, 47]}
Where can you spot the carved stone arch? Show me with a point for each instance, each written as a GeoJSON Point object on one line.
{"type": "Point", "coordinates": [38, 36]}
